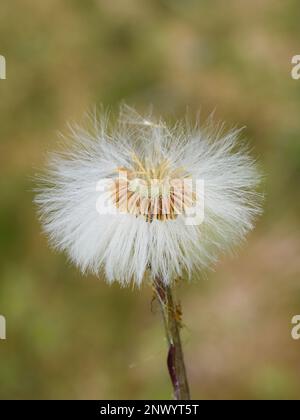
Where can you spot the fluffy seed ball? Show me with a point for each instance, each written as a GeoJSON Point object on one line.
{"type": "Point", "coordinates": [141, 196]}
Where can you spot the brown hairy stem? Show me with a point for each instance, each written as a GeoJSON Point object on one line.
{"type": "Point", "coordinates": [175, 360]}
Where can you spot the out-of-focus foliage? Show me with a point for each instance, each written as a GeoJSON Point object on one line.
{"type": "Point", "coordinates": [75, 337]}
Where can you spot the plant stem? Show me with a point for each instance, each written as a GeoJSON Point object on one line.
{"type": "Point", "coordinates": [175, 359]}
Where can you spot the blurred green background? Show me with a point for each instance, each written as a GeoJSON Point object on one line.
{"type": "Point", "coordinates": [70, 336]}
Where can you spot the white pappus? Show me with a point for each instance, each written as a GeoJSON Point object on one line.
{"type": "Point", "coordinates": [150, 169]}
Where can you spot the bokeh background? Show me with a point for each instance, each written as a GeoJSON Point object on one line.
{"type": "Point", "coordinates": [74, 337]}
